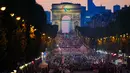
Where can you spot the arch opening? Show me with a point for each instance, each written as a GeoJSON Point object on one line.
{"type": "Point", "coordinates": [66, 24]}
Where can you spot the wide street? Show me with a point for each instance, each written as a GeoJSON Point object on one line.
{"type": "Point", "coordinates": [83, 72]}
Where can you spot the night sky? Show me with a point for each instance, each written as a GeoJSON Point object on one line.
{"type": "Point", "coordinates": [108, 3]}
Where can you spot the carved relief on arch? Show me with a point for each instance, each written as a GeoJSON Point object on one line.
{"type": "Point", "coordinates": [56, 23]}
{"type": "Point", "coordinates": [76, 16]}
{"type": "Point", "coordinates": [55, 16]}
{"type": "Point", "coordinates": [76, 23]}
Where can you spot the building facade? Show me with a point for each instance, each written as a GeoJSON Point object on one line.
{"type": "Point", "coordinates": [116, 8]}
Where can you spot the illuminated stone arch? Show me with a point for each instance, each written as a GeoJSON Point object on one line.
{"type": "Point", "coordinates": [66, 17]}
{"type": "Point", "coordinates": [72, 14]}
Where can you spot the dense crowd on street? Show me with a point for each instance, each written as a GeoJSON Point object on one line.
{"type": "Point", "coordinates": [70, 43]}
{"type": "Point", "coordinates": [76, 61]}
{"type": "Point", "coordinates": [68, 40]}
{"type": "Point", "coordinates": [98, 64]}
{"type": "Point", "coordinates": [70, 62]}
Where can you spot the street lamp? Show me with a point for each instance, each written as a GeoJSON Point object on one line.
{"type": "Point", "coordinates": [18, 18]}
{"type": "Point", "coordinates": [32, 27]}
{"type": "Point", "coordinates": [12, 14]}
{"type": "Point", "coordinates": [35, 29]}
{"type": "Point", "coordinates": [23, 20]}
{"type": "Point", "coordinates": [3, 8]}
{"type": "Point", "coordinates": [59, 49]}
{"type": "Point", "coordinates": [15, 71]}
{"type": "Point", "coordinates": [26, 65]}
{"type": "Point", "coordinates": [48, 37]}
{"type": "Point", "coordinates": [21, 67]}
{"type": "Point", "coordinates": [43, 34]}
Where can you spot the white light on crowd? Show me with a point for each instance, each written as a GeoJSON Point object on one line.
{"type": "Point", "coordinates": [102, 52]}
{"type": "Point", "coordinates": [3, 8]}
{"type": "Point", "coordinates": [114, 54]}
{"type": "Point", "coordinates": [57, 45]}
{"type": "Point", "coordinates": [42, 53]}
{"type": "Point", "coordinates": [120, 55]}
{"type": "Point", "coordinates": [37, 58]}
{"type": "Point", "coordinates": [29, 63]}
{"type": "Point", "coordinates": [44, 56]}
{"type": "Point", "coordinates": [129, 56]}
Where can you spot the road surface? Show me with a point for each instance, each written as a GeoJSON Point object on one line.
{"type": "Point", "coordinates": [83, 72]}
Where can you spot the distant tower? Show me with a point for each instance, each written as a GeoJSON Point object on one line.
{"type": "Point", "coordinates": [83, 15]}
{"type": "Point", "coordinates": [116, 8]}
{"type": "Point", "coordinates": [91, 5]}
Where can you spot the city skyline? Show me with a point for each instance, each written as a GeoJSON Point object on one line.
{"type": "Point", "coordinates": [46, 4]}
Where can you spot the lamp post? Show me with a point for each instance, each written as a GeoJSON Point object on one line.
{"type": "Point", "coordinates": [3, 8]}
{"type": "Point", "coordinates": [48, 37]}
{"type": "Point", "coordinates": [12, 14]}
{"type": "Point", "coordinates": [15, 71]}
{"type": "Point", "coordinates": [18, 18]}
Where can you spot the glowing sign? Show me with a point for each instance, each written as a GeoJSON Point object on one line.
{"type": "Point", "coordinates": [88, 17]}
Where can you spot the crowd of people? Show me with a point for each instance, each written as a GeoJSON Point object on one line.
{"type": "Point", "coordinates": [75, 61]}
{"type": "Point", "coordinates": [85, 63]}
{"type": "Point", "coordinates": [70, 42]}
{"type": "Point", "coordinates": [72, 61]}
{"type": "Point", "coordinates": [112, 68]}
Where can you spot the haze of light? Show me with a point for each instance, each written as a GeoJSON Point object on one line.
{"type": "Point", "coordinates": [46, 4]}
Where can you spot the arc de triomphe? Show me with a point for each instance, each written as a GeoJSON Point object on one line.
{"type": "Point", "coordinates": [66, 16]}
